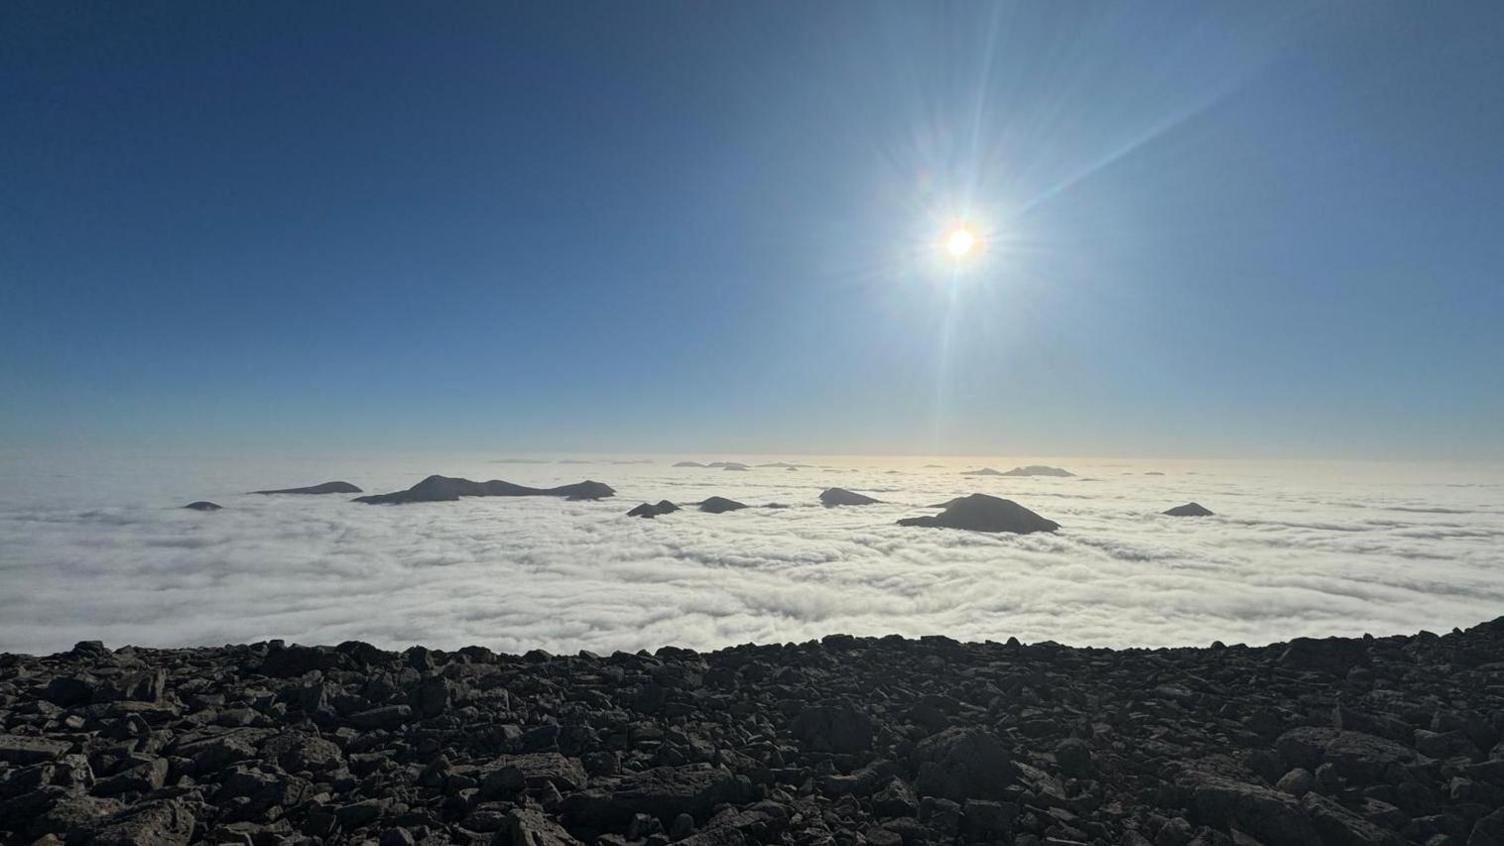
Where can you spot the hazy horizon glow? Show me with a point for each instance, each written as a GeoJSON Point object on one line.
{"type": "Point", "coordinates": [1200, 230]}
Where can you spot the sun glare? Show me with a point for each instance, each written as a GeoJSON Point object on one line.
{"type": "Point", "coordinates": [961, 242]}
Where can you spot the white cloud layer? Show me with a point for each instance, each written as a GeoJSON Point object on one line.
{"type": "Point", "coordinates": [94, 548]}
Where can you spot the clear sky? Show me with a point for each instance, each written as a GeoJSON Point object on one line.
{"type": "Point", "coordinates": [1209, 228]}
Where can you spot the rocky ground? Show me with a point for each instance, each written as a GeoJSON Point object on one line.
{"type": "Point", "coordinates": [844, 742]}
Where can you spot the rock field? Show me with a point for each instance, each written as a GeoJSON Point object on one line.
{"type": "Point", "coordinates": [843, 742]}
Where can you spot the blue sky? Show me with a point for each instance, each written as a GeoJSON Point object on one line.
{"type": "Point", "coordinates": [1211, 229]}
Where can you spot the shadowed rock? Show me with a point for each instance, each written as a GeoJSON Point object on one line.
{"type": "Point", "coordinates": [840, 496]}
{"type": "Point", "coordinates": [324, 488]}
{"type": "Point", "coordinates": [720, 504]}
{"type": "Point", "coordinates": [204, 505]}
{"type": "Point", "coordinates": [448, 489]}
{"type": "Point", "coordinates": [983, 513]}
{"type": "Point", "coordinates": [648, 509]}
{"type": "Point", "coordinates": [1190, 509]}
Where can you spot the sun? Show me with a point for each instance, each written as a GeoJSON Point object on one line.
{"type": "Point", "coordinates": [961, 242]}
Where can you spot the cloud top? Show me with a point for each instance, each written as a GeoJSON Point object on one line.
{"type": "Point", "coordinates": [104, 550]}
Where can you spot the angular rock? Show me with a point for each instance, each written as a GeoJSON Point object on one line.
{"type": "Point", "coordinates": [23, 751]}
{"type": "Point", "coordinates": [833, 728]}
{"type": "Point", "coordinates": [1354, 755]}
{"type": "Point", "coordinates": [1269, 815]}
{"type": "Point", "coordinates": [963, 763]}
{"type": "Point", "coordinates": [164, 823]}
{"type": "Point", "coordinates": [529, 827]}
{"type": "Point", "coordinates": [663, 792]}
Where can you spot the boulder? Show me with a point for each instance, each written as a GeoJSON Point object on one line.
{"type": "Point", "coordinates": [1269, 815]}
{"type": "Point", "coordinates": [531, 827]}
{"type": "Point", "coordinates": [962, 763]}
{"type": "Point", "coordinates": [165, 823]}
{"type": "Point", "coordinates": [1337, 825]}
{"type": "Point", "coordinates": [833, 728]}
{"type": "Point", "coordinates": [1356, 756]}
{"type": "Point", "coordinates": [24, 751]}
{"type": "Point", "coordinates": [663, 792]}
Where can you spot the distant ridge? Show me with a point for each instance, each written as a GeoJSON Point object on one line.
{"type": "Point", "coordinates": [722, 465]}
{"type": "Point", "coordinates": [1038, 470]}
{"type": "Point", "coordinates": [1029, 470]}
{"type": "Point", "coordinates": [447, 489]}
{"type": "Point", "coordinates": [323, 488]}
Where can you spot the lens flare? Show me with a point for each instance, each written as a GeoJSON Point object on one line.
{"type": "Point", "coordinates": [961, 242]}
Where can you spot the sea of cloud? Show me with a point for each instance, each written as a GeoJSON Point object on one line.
{"type": "Point", "coordinates": [100, 548]}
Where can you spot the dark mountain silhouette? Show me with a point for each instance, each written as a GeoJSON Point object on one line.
{"type": "Point", "coordinates": [688, 464]}
{"type": "Point", "coordinates": [324, 488]}
{"type": "Point", "coordinates": [447, 489]}
{"type": "Point", "coordinates": [985, 471]}
{"type": "Point", "coordinates": [840, 496]}
{"type": "Point", "coordinates": [1190, 509]}
{"type": "Point", "coordinates": [983, 513]}
{"type": "Point", "coordinates": [720, 504]}
{"type": "Point", "coordinates": [1038, 470]}
{"type": "Point", "coordinates": [648, 509]}
{"type": "Point", "coordinates": [204, 505]}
